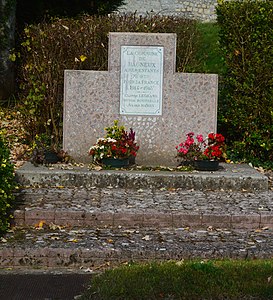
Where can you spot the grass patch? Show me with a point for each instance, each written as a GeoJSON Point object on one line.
{"type": "Point", "coordinates": [208, 53]}
{"type": "Point", "coordinates": [226, 279]}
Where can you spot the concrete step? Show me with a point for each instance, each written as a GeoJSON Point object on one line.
{"type": "Point", "coordinates": [143, 207]}
{"type": "Point", "coordinates": [80, 219]}
{"type": "Point", "coordinates": [232, 177]}
{"type": "Point", "coordinates": [53, 247]}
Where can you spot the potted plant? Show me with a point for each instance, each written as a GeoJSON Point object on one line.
{"type": "Point", "coordinates": [202, 154]}
{"type": "Point", "coordinates": [44, 151]}
{"type": "Point", "coordinates": [117, 149]}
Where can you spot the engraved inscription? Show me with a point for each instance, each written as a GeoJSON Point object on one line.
{"type": "Point", "coordinates": [141, 80]}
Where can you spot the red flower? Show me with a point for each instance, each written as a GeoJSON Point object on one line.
{"type": "Point", "coordinates": [211, 136]}
{"type": "Point", "coordinates": [219, 138]}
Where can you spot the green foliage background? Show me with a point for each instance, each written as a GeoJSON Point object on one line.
{"type": "Point", "coordinates": [246, 106]}
{"type": "Point", "coordinates": [47, 49]}
{"type": "Point", "coordinates": [7, 185]}
{"type": "Point", "coordinates": [35, 11]}
{"type": "Point", "coordinates": [244, 30]}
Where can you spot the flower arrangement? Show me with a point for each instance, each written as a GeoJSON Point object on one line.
{"type": "Point", "coordinates": [117, 143]}
{"type": "Point", "coordinates": [198, 148]}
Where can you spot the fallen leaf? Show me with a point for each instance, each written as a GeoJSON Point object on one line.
{"type": "Point", "coordinates": [97, 168]}
{"type": "Point", "coordinates": [40, 225]}
{"type": "Point", "coordinates": [55, 227]}
{"type": "Point", "coordinates": [73, 241]}
{"type": "Point", "coordinates": [107, 264]}
{"type": "Point", "coordinates": [146, 238]}
{"type": "Point", "coordinates": [180, 262]}
{"type": "Point", "coordinates": [83, 58]}
{"type": "Point", "coordinates": [88, 270]}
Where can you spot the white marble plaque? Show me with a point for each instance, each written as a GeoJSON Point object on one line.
{"type": "Point", "coordinates": [141, 80]}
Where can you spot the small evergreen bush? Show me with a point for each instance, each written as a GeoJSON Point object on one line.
{"type": "Point", "coordinates": [50, 48]}
{"type": "Point", "coordinates": [246, 107]}
{"type": "Point", "coordinates": [7, 184]}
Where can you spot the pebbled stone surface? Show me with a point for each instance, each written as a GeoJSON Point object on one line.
{"type": "Point", "coordinates": [80, 248]}
{"type": "Point", "coordinates": [143, 207]}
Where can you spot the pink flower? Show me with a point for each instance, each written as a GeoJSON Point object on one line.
{"type": "Point", "coordinates": [200, 138]}
{"type": "Point", "coordinates": [196, 147]}
{"type": "Point", "coordinates": [182, 150]}
{"type": "Point", "coordinates": [189, 141]}
{"type": "Point", "coordinates": [190, 134]}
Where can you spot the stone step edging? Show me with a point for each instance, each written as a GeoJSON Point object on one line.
{"type": "Point", "coordinates": [146, 219]}
{"type": "Point", "coordinates": [230, 177]}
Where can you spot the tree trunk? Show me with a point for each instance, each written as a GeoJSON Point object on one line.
{"type": "Point", "coordinates": [7, 32]}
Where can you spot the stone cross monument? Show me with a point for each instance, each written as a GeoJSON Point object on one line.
{"type": "Point", "coordinates": [142, 90]}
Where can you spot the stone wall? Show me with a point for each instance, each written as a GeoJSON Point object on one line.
{"type": "Point", "coordinates": [203, 10]}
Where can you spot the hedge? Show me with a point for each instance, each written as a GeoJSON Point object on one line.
{"type": "Point", "coordinates": [246, 107]}
{"type": "Point", "coordinates": [50, 48]}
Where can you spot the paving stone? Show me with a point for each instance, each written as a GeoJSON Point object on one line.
{"type": "Point", "coordinates": [77, 247]}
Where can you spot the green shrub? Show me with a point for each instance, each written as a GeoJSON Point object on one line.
{"type": "Point", "coordinates": [7, 184]}
{"type": "Point", "coordinates": [246, 107]}
{"type": "Point", "coordinates": [50, 48]}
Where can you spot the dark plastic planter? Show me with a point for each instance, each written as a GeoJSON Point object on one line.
{"type": "Point", "coordinates": [51, 157]}
{"type": "Point", "coordinates": [116, 162]}
{"type": "Point", "coordinates": [206, 165]}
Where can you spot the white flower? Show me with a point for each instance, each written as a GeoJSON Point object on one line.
{"type": "Point", "coordinates": [100, 140]}
{"type": "Point", "coordinates": [95, 147]}
{"type": "Point", "coordinates": [110, 140]}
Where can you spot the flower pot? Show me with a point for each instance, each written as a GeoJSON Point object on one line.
{"type": "Point", "coordinates": [51, 157]}
{"type": "Point", "coordinates": [116, 162]}
{"type": "Point", "coordinates": [132, 160]}
{"type": "Point", "coordinates": [206, 165]}
{"type": "Point", "coordinates": [186, 163]}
